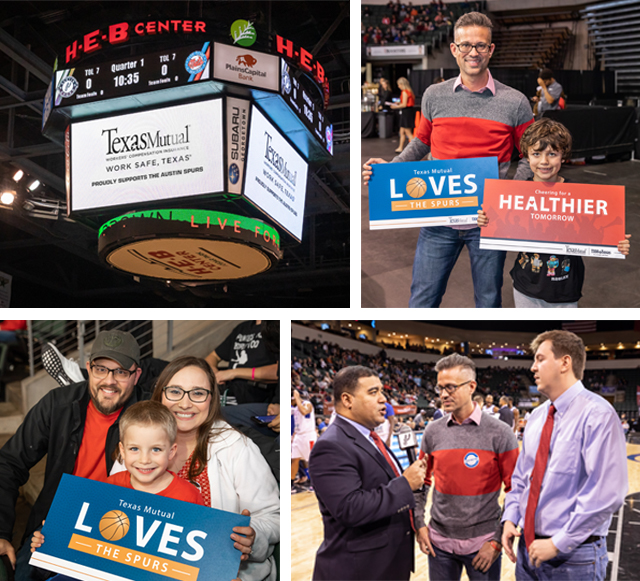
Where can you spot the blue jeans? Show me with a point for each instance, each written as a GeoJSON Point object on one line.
{"type": "Point", "coordinates": [587, 562]}
{"type": "Point", "coordinates": [448, 567]}
{"type": "Point", "coordinates": [436, 254]}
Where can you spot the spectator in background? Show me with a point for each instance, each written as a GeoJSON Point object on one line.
{"type": "Point", "coordinates": [505, 413]}
{"type": "Point", "coordinates": [385, 429]}
{"type": "Point", "coordinates": [8, 330]}
{"type": "Point", "coordinates": [320, 425]}
{"type": "Point", "coordinates": [438, 413]}
{"type": "Point", "coordinates": [384, 93]}
{"type": "Point", "coordinates": [516, 414]}
{"type": "Point", "coordinates": [548, 95]}
{"type": "Point", "coordinates": [407, 112]}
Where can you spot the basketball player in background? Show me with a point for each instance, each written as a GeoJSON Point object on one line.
{"type": "Point", "coordinates": [304, 435]}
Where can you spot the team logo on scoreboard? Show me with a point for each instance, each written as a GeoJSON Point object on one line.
{"type": "Point", "coordinates": [243, 33]}
{"type": "Point", "coordinates": [329, 136]}
{"type": "Point", "coordinates": [67, 87]}
{"type": "Point", "coordinates": [196, 62]}
{"type": "Point", "coordinates": [286, 79]}
{"type": "Point", "coordinates": [234, 173]}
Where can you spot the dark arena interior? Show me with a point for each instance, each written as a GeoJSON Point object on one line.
{"type": "Point", "coordinates": [51, 259]}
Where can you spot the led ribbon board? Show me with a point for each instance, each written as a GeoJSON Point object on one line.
{"type": "Point", "coordinates": [102, 532]}
{"type": "Point", "coordinates": [276, 175]}
{"type": "Point", "coordinates": [189, 245]}
{"type": "Point", "coordinates": [178, 66]}
{"type": "Point", "coordinates": [143, 157]}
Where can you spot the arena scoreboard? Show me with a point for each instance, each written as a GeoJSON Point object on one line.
{"type": "Point", "coordinates": [177, 67]}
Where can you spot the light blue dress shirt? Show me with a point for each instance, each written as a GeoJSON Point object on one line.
{"type": "Point", "coordinates": [586, 478]}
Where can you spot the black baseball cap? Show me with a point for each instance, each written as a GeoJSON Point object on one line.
{"type": "Point", "coordinates": [117, 345]}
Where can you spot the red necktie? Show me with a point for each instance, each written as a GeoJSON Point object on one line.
{"type": "Point", "coordinates": [537, 475]}
{"type": "Point", "coordinates": [380, 444]}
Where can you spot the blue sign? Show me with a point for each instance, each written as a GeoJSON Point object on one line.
{"type": "Point", "coordinates": [97, 531]}
{"type": "Point", "coordinates": [428, 193]}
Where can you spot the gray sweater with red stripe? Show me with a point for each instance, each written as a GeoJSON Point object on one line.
{"type": "Point", "coordinates": [469, 463]}
{"type": "Point", "coordinates": [458, 124]}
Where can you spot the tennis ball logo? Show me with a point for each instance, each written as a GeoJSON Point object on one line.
{"type": "Point", "coordinates": [416, 187]}
{"type": "Point", "coordinates": [114, 525]}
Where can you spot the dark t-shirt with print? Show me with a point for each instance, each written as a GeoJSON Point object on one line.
{"type": "Point", "coordinates": [554, 278]}
{"type": "Point", "coordinates": [245, 347]}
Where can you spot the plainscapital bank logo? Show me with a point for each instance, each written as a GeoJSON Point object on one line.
{"type": "Point", "coordinates": [243, 33]}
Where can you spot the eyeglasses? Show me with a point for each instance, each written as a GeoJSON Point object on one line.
{"type": "Point", "coordinates": [119, 374]}
{"type": "Point", "coordinates": [465, 47]}
{"type": "Point", "coordinates": [197, 395]}
{"type": "Point", "coordinates": [451, 387]}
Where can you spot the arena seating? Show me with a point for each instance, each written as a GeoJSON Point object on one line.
{"type": "Point", "coordinates": [613, 28]}
{"type": "Point", "coordinates": [531, 49]}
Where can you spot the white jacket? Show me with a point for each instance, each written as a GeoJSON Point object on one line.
{"type": "Point", "coordinates": [239, 478]}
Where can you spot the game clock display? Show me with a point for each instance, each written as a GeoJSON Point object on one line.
{"type": "Point", "coordinates": [131, 75]}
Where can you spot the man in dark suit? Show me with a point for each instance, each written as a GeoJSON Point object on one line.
{"type": "Point", "coordinates": [365, 498]}
{"type": "Point", "coordinates": [505, 413]}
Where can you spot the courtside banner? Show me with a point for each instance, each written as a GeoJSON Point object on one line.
{"type": "Point", "coordinates": [428, 193]}
{"type": "Point", "coordinates": [554, 218]}
{"type": "Point", "coordinates": [97, 531]}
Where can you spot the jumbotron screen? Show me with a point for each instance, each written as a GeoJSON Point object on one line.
{"type": "Point", "coordinates": [162, 154]}
{"type": "Point", "coordinates": [276, 175]}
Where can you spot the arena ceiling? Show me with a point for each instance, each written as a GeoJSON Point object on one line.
{"type": "Point", "coordinates": [54, 261]}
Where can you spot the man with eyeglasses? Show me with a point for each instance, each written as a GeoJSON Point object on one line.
{"type": "Point", "coordinates": [470, 116]}
{"type": "Point", "coordinates": [470, 455]}
{"type": "Point", "coordinates": [76, 426]}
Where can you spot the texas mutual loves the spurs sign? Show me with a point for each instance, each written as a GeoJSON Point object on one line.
{"type": "Point", "coordinates": [428, 193]}
{"type": "Point", "coordinates": [101, 531]}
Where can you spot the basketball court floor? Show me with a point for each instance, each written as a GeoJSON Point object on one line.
{"type": "Point", "coordinates": [307, 533]}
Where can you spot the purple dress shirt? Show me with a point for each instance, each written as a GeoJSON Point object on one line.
{"type": "Point", "coordinates": [586, 478]}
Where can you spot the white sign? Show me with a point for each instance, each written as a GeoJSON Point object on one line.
{"type": "Point", "coordinates": [276, 179]}
{"type": "Point", "coordinates": [237, 125]}
{"type": "Point", "coordinates": [393, 51]}
{"type": "Point", "coordinates": [247, 67]}
{"type": "Point", "coordinates": [5, 290]}
{"type": "Point", "coordinates": [162, 154]}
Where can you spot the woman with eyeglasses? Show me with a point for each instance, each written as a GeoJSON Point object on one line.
{"type": "Point", "coordinates": [222, 463]}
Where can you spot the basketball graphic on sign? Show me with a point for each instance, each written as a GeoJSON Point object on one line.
{"type": "Point", "coordinates": [114, 525]}
{"type": "Point", "coordinates": [416, 187]}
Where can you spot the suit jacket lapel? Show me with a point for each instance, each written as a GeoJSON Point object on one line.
{"type": "Point", "coordinates": [362, 443]}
